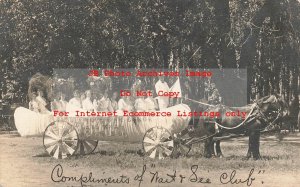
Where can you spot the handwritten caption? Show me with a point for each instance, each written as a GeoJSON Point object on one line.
{"type": "Point", "coordinates": [152, 176]}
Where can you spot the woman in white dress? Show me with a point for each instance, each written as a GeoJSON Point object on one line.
{"type": "Point", "coordinates": [115, 124]}
{"type": "Point", "coordinates": [44, 119]}
{"type": "Point", "coordinates": [56, 104]}
{"type": "Point", "coordinates": [74, 105]}
{"type": "Point", "coordinates": [124, 104]}
{"type": "Point", "coordinates": [33, 104]}
{"type": "Point", "coordinates": [63, 102]}
{"type": "Point", "coordinates": [87, 103]}
{"type": "Point", "coordinates": [75, 101]}
{"type": "Point", "coordinates": [150, 102]}
{"type": "Point", "coordinates": [87, 106]}
{"type": "Point", "coordinates": [140, 106]}
{"type": "Point", "coordinates": [103, 105]}
{"type": "Point", "coordinates": [127, 123]}
{"type": "Point", "coordinates": [113, 100]}
{"type": "Point", "coordinates": [82, 98]}
{"type": "Point", "coordinates": [151, 105]}
{"type": "Point", "coordinates": [42, 103]}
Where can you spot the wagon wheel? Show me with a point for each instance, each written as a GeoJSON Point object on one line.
{"type": "Point", "coordinates": [60, 139]}
{"type": "Point", "coordinates": [158, 143]}
{"type": "Point", "coordinates": [86, 146]}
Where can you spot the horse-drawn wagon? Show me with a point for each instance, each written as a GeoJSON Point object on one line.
{"type": "Point", "coordinates": [160, 136]}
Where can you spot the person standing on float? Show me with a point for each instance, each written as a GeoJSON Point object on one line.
{"type": "Point", "coordinates": [161, 85]}
{"type": "Point", "coordinates": [42, 102]}
{"type": "Point", "coordinates": [87, 103]}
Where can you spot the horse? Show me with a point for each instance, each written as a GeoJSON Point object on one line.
{"type": "Point", "coordinates": [264, 113]}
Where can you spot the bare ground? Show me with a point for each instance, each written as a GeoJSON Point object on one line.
{"type": "Point", "coordinates": [23, 162]}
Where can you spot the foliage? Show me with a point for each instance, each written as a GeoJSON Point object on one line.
{"type": "Point", "coordinates": [261, 35]}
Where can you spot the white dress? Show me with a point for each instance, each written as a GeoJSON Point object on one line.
{"type": "Point", "coordinates": [150, 103]}
{"type": "Point", "coordinates": [34, 105]}
{"type": "Point", "coordinates": [140, 105]}
{"type": "Point", "coordinates": [87, 105]}
{"type": "Point", "coordinates": [163, 101]}
{"type": "Point", "coordinates": [73, 106]}
{"type": "Point", "coordinates": [75, 102]}
{"type": "Point", "coordinates": [114, 105]}
{"type": "Point", "coordinates": [127, 124]}
{"type": "Point", "coordinates": [148, 121]}
{"type": "Point", "coordinates": [103, 105]}
{"type": "Point", "coordinates": [42, 105]}
{"type": "Point", "coordinates": [122, 106]}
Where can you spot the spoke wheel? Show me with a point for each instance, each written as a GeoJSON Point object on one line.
{"type": "Point", "coordinates": [60, 139]}
{"type": "Point", "coordinates": [86, 146]}
{"type": "Point", "coordinates": [158, 143]}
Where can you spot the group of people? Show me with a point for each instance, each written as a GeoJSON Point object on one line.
{"type": "Point", "coordinates": [86, 101]}
{"type": "Point", "coordinates": [101, 102]}
{"type": "Point", "coordinates": [91, 101]}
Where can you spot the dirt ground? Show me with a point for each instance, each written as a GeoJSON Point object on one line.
{"type": "Point", "coordinates": [23, 162]}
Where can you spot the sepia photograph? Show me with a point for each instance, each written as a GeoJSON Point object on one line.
{"type": "Point", "coordinates": [149, 93]}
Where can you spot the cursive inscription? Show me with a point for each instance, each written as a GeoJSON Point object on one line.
{"type": "Point", "coordinates": [195, 178]}
{"type": "Point", "coordinates": [57, 175]}
{"type": "Point", "coordinates": [150, 175]}
{"type": "Point", "coordinates": [138, 177]}
{"type": "Point", "coordinates": [156, 178]}
{"type": "Point", "coordinates": [231, 178]}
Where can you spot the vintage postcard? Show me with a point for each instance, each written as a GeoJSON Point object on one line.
{"type": "Point", "coordinates": [149, 93]}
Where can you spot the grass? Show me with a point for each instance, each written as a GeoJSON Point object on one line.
{"type": "Point", "coordinates": [26, 162]}
{"type": "Point", "coordinates": [276, 155]}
